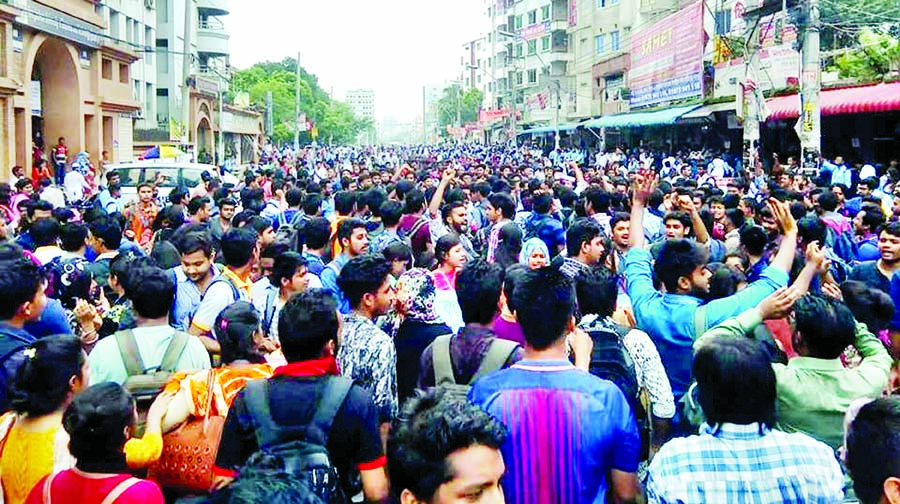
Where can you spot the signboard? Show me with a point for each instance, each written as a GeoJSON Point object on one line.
{"type": "Point", "coordinates": [534, 31]}
{"type": "Point", "coordinates": [667, 58]}
{"type": "Point", "coordinates": [573, 12]}
{"type": "Point", "coordinates": [57, 23]}
{"type": "Point", "coordinates": [36, 108]}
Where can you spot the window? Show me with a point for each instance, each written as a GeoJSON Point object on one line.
{"type": "Point", "coordinates": [114, 24]}
{"type": "Point", "coordinates": [532, 47]}
{"type": "Point", "coordinates": [613, 2]}
{"type": "Point", "coordinates": [520, 50]}
{"type": "Point", "coordinates": [545, 13]}
{"type": "Point", "coordinates": [723, 22]}
{"type": "Point", "coordinates": [123, 73]}
{"type": "Point", "coordinates": [545, 43]}
{"type": "Point", "coordinates": [600, 42]}
{"type": "Point", "coordinates": [614, 42]}
{"type": "Point", "coordinates": [532, 76]}
{"type": "Point", "coordinates": [518, 22]}
{"type": "Point", "coordinates": [162, 47]}
{"type": "Point", "coordinates": [519, 78]}
{"type": "Point", "coordinates": [532, 17]}
{"type": "Point", "coordinates": [106, 69]}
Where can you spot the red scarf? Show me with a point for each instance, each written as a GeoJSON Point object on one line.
{"type": "Point", "coordinates": [318, 367]}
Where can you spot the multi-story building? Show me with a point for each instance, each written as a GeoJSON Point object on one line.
{"type": "Point", "coordinates": [431, 95]}
{"type": "Point", "coordinates": [362, 102]}
{"type": "Point", "coordinates": [65, 73]}
{"type": "Point", "coordinates": [206, 119]}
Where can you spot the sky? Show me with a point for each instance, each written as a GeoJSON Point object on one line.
{"type": "Point", "coordinates": [394, 47]}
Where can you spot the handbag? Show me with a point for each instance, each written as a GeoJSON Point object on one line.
{"type": "Point", "coordinates": [189, 452]}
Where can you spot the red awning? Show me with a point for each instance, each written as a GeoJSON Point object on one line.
{"type": "Point", "coordinates": [855, 100]}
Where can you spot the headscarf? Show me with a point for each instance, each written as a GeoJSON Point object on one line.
{"type": "Point", "coordinates": [69, 280]}
{"type": "Point", "coordinates": [529, 248]}
{"type": "Point", "coordinates": [415, 296]}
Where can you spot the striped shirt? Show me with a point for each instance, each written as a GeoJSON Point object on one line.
{"type": "Point", "coordinates": [567, 430]}
{"type": "Point", "coordinates": [745, 463]}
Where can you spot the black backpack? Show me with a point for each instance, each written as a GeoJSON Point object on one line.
{"type": "Point", "coordinates": [300, 451]}
{"type": "Point", "coordinates": [288, 235]}
{"type": "Point", "coordinates": [611, 361]}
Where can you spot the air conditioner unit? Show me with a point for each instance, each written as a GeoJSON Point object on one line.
{"type": "Point", "coordinates": [138, 115]}
{"type": "Point", "coordinates": [149, 3]}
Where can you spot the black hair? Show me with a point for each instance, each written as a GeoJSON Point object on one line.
{"type": "Point", "coordinates": [108, 231]}
{"type": "Point", "coordinates": [541, 203]}
{"type": "Point", "coordinates": [827, 325]}
{"type": "Point", "coordinates": [811, 229]}
{"type": "Point", "coordinates": [372, 200]}
{"type": "Point", "coordinates": [891, 228]}
{"type": "Point", "coordinates": [154, 299]}
{"type": "Point", "coordinates": [511, 278]}
{"type": "Point", "coordinates": [238, 246]}
{"type": "Point", "coordinates": [312, 202]}
{"type": "Point", "coordinates": [736, 216]}
{"type": "Point", "coordinates": [73, 236]}
{"type": "Point", "coordinates": [598, 199]}
{"type": "Point", "coordinates": [736, 382]}
{"type": "Point", "coordinates": [740, 255]}
{"type": "Point", "coordinates": [41, 385]}
{"type": "Point", "coordinates": [828, 201]}
{"type": "Point", "coordinates": [596, 291]}
{"type": "Point", "coordinates": [293, 197]}
{"type": "Point", "coordinates": [397, 251]}
{"type": "Point", "coordinates": [545, 303]}
{"type": "Point", "coordinates": [873, 448]}
{"type": "Point", "coordinates": [478, 288]}
{"type": "Point", "coordinates": [873, 217]}
{"type": "Point", "coordinates": [20, 281]}
{"type": "Point", "coordinates": [443, 246]}
{"type": "Point", "coordinates": [234, 330]}
{"type": "Point", "coordinates": [317, 232]}
{"type": "Point", "coordinates": [363, 275]}
{"type": "Point", "coordinates": [482, 187]}
{"type": "Point", "coordinates": [190, 242]}
{"type": "Point", "coordinates": [285, 267]}
{"type": "Point", "coordinates": [504, 203]}
{"type": "Point", "coordinates": [447, 210]}
{"type": "Point", "coordinates": [619, 217]}
{"type": "Point", "coordinates": [258, 224]}
{"type": "Point", "coordinates": [754, 240]}
{"type": "Point", "coordinates": [306, 323]}
{"type": "Point", "coordinates": [681, 217]}
{"type": "Point", "coordinates": [434, 427]}
{"type": "Point", "coordinates": [677, 259]}
{"type": "Point", "coordinates": [871, 306]}
{"type": "Point", "coordinates": [96, 421]}
{"type": "Point", "coordinates": [582, 231]}
{"type": "Point", "coordinates": [344, 201]}
{"type": "Point", "coordinates": [724, 281]}
{"type": "Point", "coordinates": [414, 201]}
{"type": "Point", "coordinates": [273, 250]}
{"type": "Point", "coordinates": [44, 232]}
{"type": "Point", "coordinates": [509, 245]}
{"type": "Point", "coordinates": [345, 228]}
{"type": "Point", "coordinates": [34, 206]}
{"type": "Point", "coordinates": [391, 212]}
{"type": "Point", "coordinates": [196, 204]}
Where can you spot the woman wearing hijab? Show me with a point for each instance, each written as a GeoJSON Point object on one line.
{"type": "Point", "coordinates": [420, 326]}
{"type": "Point", "coordinates": [534, 254]}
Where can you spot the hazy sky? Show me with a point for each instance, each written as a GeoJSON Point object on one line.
{"type": "Point", "coordinates": [392, 46]}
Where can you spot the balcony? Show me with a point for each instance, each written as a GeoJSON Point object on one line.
{"type": "Point", "coordinates": [212, 39]}
{"type": "Point", "coordinates": [213, 7]}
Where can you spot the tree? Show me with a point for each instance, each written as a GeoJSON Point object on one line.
{"type": "Point", "coordinates": [333, 119]}
{"type": "Point", "coordinates": [844, 20]}
{"type": "Point", "coordinates": [878, 55]}
{"type": "Point", "coordinates": [456, 103]}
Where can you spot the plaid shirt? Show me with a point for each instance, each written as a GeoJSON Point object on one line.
{"type": "Point", "coordinates": [745, 463]}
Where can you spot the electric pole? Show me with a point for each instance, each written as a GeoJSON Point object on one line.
{"type": "Point", "coordinates": [809, 128]}
{"type": "Point", "coordinates": [186, 70]}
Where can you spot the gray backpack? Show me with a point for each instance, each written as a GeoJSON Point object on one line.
{"type": "Point", "coordinates": [498, 353]}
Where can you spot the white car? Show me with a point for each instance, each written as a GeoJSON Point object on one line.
{"type": "Point", "coordinates": [169, 174]}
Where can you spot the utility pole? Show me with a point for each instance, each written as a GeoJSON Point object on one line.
{"type": "Point", "coordinates": [809, 128]}
{"type": "Point", "coordinates": [556, 116]}
{"type": "Point", "coordinates": [424, 115]}
{"type": "Point", "coordinates": [297, 108]}
{"type": "Point", "coordinates": [186, 70]}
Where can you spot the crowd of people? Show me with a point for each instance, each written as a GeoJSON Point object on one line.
{"type": "Point", "coordinates": [455, 324]}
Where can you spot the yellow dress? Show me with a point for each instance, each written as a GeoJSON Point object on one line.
{"type": "Point", "coordinates": [27, 457]}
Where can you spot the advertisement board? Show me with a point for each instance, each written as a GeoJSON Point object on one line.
{"type": "Point", "coordinates": [667, 58]}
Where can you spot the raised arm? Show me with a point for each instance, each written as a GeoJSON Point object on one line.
{"type": "Point", "coordinates": [686, 204]}
{"type": "Point", "coordinates": [788, 225]}
{"type": "Point", "coordinates": [642, 188]}
{"type": "Point", "coordinates": [434, 206]}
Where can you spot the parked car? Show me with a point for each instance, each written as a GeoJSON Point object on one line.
{"type": "Point", "coordinates": [166, 174]}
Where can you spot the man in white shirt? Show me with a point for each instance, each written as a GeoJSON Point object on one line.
{"type": "Point", "coordinates": [75, 185]}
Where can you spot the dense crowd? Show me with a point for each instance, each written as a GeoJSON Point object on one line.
{"type": "Point", "coordinates": [454, 324]}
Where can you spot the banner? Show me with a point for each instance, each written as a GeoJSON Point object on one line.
{"type": "Point", "coordinates": [667, 58]}
{"type": "Point", "coordinates": [534, 31]}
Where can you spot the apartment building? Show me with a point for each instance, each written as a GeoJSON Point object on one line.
{"type": "Point", "coordinates": [362, 102]}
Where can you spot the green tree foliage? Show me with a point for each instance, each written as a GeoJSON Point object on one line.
{"type": "Point", "coordinates": [334, 120]}
{"type": "Point", "coordinates": [468, 103]}
{"type": "Point", "coordinates": [844, 20]}
{"type": "Point", "coordinates": [877, 55]}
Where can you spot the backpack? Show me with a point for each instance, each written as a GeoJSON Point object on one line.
{"type": "Point", "coordinates": [235, 293]}
{"type": "Point", "coordinates": [842, 244]}
{"type": "Point", "coordinates": [611, 361]}
{"type": "Point", "coordinates": [268, 315]}
{"type": "Point", "coordinates": [407, 236]}
{"type": "Point", "coordinates": [300, 451]}
{"type": "Point", "coordinates": [289, 235]}
{"type": "Point", "coordinates": [497, 355]}
{"type": "Point", "coordinates": [143, 383]}
{"type": "Point", "coordinates": [533, 226]}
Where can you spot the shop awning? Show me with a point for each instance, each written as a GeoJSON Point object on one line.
{"type": "Point", "coordinates": [855, 100]}
{"type": "Point", "coordinates": [632, 119]}
{"type": "Point", "coordinates": [708, 110]}
{"type": "Point", "coordinates": [549, 129]}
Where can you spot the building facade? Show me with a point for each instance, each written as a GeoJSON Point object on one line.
{"type": "Point", "coordinates": [63, 74]}
{"type": "Point", "coordinates": [362, 102]}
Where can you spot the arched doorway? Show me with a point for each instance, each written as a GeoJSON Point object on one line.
{"type": "Point", "coordinates": [204, 141]}
{"type": "Point", "coordinates": [55, 97]}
